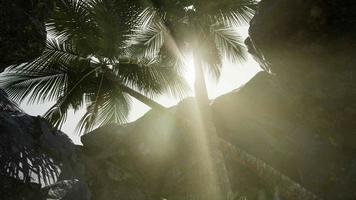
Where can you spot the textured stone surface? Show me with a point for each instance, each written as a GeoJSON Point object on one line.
{"type": "Point", "coordinates": [32, 154]}
{"type": "Point", "coordinates": [310, 46]}
{"type": "Point", "coordinates": [22, 33]}
{"type": "Point", "coordinates": [67, 190]}
{"type": "Point", "coordinates": [302, 37]}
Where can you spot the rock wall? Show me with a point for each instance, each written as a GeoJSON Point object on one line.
{"type": "Point", "coordinates": [309, 46]}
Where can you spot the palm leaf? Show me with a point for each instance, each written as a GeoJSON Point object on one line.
{"type": "Point", "coordinates": [229, 42]}
{"type": "Point", "coordinates": [112, 23]}
{"type": "Point", "coordinates": [46, 78]}
{"type": "Point", "coordinates": [39, 85]}
{"type": "Point", "coordinates": [153, 77]}
{"type": "Point", "coordinates": [215, 8]}
{"type": "Point", "coordinates": [72, 20]}
{"type": "Point", "coordinates": [110, 105]}
{"type": "Point", "coordinates": [148, 33]}
{"type": "Point", "coordinates": [56, 51]}
{"type": "Point", "coordinates": [6, 104]}
{"type": "Point", "coordinates": [239, 17]}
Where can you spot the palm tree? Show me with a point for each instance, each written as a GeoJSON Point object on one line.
{"type": "Point", "coordinates": [85, 63]}
{"type": "Point", "coordinates": [208, 31]}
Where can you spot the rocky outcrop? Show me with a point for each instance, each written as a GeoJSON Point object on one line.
{"type": "Point", "coordinates": [300, 39]}
{"type": "Point", "coordinates": [33, 154]}
{"type": "Point", "coordinates": [309, 45]}
{"type": "Point", "coordinates": [23, 32]}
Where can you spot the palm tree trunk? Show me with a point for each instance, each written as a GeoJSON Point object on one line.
{"type": "Point", "coordinates": [288, 188]}
{"type": "Point", "coordinates": [219, 186]}
{"type": "Point", "coordinates": [142, 98]}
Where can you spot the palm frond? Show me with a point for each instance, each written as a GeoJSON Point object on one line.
{"type": "Point", "coordinates": [39, 85]}
{"type": "Point", "coordinates": [46, 78]}
{"type": "Point", "coordinates": [153, 77]}
{"type": "Point", "coordinates": [110, 106]}
{"type": "Point", "coordinates": [148, 33]}
{"type": "Point", "coordinates": [229, 42]}
{"type": "Point", "coordinates": [57, 114]}
{"type": "Point", "coordinates": [6, 104]}
{"type": "Point", "coordinates": [215, 8]}
{"type": "Point", "coordinates": [56, 51]}
{"type": "Point", "coordinates": [71, 20]}
{"type": "Point", "coordinates": [239, 17]}
{"type": "Point", "coordinates": [78, 84]}
{"type": "Point", "coordinates": [146, 17]}
{"type": "Point", "coordinates": [112, 23]}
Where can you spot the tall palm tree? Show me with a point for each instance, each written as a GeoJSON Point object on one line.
{"type": "Point", "coordinates": [208, 31]}
{"type": "Point", "coordinates": [85, 63]}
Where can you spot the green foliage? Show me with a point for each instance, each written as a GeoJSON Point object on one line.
{"type": "Point", "coordinates": [209, 28]}
{"type": "Point", "coordinates": [100, 46]}
{"type": "Point", "coordinates": [86, 64]}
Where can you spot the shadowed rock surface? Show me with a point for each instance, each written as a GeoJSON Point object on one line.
{"type": "Point", "coordinates": [34, 154]}
{"type": "Point", "coordinates": [309, 45]}
{"type": "Point", "coordinates": [22, 33]}
{"type": "Point", "coordinates": [13, 189]}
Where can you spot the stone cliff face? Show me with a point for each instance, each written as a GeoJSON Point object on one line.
{"type": "Point", "coordinates": [300, 39]}
{"type": "Point", "coordinates": [309, 45]}
{"type": "Point", "coordinates": [23, 32]}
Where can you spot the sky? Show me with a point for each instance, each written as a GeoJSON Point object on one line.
{"type": "Point", "coordinates": [232, 77]}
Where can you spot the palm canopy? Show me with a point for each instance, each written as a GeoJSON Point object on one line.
{"type": "Point", "coordinates": [208, 29]}
{"type": "Point", "coordinates": [86, 63]}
